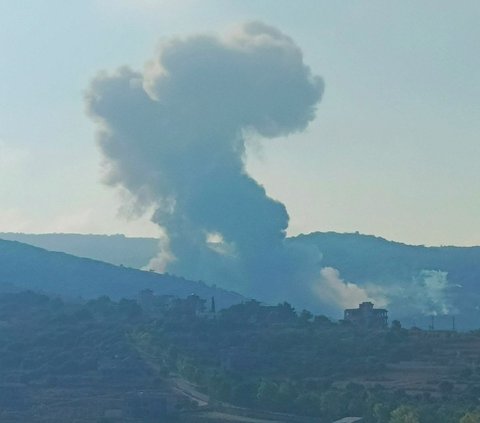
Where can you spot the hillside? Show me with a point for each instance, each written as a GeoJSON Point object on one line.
{"type": "Point", "coordinates": [26, 267]}
{"type": "Point", "coordinates": [365, 258]}
{"type": "Point", "coordinates": [414, 282]}
{"type": "Point", "coordinates": [359, 257]}
{"type": "Point", "coordinates": [106, 361]}
{"type": "Point", "coordinates": [417, 282]}
{"type": "Point", "coordinates": [114, 249]}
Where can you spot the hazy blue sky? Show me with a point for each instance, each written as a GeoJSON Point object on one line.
{"type": "Point", "coordinates": [394, 149]}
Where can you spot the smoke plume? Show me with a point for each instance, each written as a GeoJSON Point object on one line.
{"type": "Point", "coordinates": [173, 135]}
{"type": "Point", "coordinates": [429, 293]}
{"type": "Point", "coordinates": [337, 294]}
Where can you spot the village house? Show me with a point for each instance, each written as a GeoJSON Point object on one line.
{"type": "Point", "coordinates": [367, 317]}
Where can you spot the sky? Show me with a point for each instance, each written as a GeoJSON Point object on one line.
{"type": "Point", "coordinates": [393, 150]}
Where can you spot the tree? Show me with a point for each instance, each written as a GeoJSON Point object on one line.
{"type": "Point", "coordinates": [285, 312]}
{"type": "Point", "coordinates": [471, 417]}
{"type": "Point", "coordinates": [381, 412]}
{"type": "Point", "coordinates": [267, 394]}
{"type": "Point", "coordinates": [404, 414]}
{"type": "Point", "coordinates": [309, 404]}
{"type": "Point", "coordinates": [306, 316]}
{"type": "Point", "coordinates": [333, 404]}
{"type": "Point", "coordinates": [287, 393]}
{"type": "Point", "coordinates": [244, 394]}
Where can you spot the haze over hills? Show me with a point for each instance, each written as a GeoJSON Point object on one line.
{"type": "Point", "coordinates": [114, 249]}
{"type": "Point", "coordinates": [24, 267]}
{"type": "Point", "coordinates": [413, 282]}
{"type": "Point", "coordinates": [367, 258]}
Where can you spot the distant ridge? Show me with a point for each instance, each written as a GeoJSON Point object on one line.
{"type": "Point", "coordinates": [365, 260]}
{"type": "Point", "coordinates": [395, 269]}
{"type": "Point", "coordinates": [116, 249]}
{"type": "Point", "coordinates": [24, 267]}
{"type": "Point", "coordinates": [359, 257]}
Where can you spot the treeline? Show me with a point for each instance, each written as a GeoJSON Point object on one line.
{"type": "Point", "coordinates": [273, 358]}
{"type": "Point", "coordinates": [251, 355]}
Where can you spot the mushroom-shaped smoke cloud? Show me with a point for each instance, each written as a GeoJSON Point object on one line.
{"type": "Point", "coordinates": [174, 137]}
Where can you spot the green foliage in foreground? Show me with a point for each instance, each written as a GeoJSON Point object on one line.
{"type": "Point", "coordinates": [250, 355]}
{"type": "Point", "coordinates": [272, 358]}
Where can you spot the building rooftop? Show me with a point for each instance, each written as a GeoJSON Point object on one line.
{"type": "Point", "coordinates": [367, 317]}
{"type": "Point", "coordinates": [367, 305]}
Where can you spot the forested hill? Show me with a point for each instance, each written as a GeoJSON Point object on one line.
{"type": "Point", "coordinates": [26, 267]}
{"type": "Point", "coordinates": [415, 282]}
{"type": "Point", "coordinates": [358, 257]}
{"type": "Point", "coordinates": [115, 249]}
{"type": "Point", "coordinates": [107, 361]}
{"type": "Point", "coordinates": [366, 258]}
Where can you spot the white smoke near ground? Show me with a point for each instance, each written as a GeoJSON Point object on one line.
{"type": "Point", "coordinates": [428, 293]}
{"type": "Point", "coordinates": [159, 263]}
{"type": "Point", "coordinates": [332, 289]}
{"type": "Point", "coordinates": [173, 136]}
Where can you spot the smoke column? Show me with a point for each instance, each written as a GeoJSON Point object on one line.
{"type": "Point", "coordinates": [173, 136]}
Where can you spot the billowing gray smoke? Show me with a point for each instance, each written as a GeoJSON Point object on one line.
{"type": "Point", "coordinates": [174, 137]}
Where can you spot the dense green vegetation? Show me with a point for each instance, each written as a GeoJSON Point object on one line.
{"type": "Point", "coordinates": [253, 356]}
{"type": "Point", "coordinates": [272, 358]}
{"type": "Point", "coordinates": [68, 362]}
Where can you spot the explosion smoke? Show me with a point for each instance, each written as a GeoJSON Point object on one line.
{"type": "Point", "coordinates": [174, 137]}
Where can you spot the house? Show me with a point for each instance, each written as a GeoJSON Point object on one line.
{"type": "Point", "coordinates": [367, 317]}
